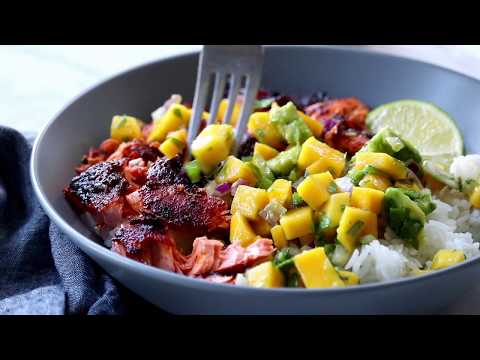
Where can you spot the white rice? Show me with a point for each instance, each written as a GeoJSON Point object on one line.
{"type": "Point", "coordinates": [450, 226]}
{"type": "Point", "coordinates": [466, 167]}
{"type": "Point", "coordinates": [439, 236]}
{"type": "Point", "coordinates": [377, 262]}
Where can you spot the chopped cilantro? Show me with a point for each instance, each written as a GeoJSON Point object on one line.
{"type": "Point", "coordinates": [356, 228]}
{"type": "Point", "coordinates": [332, 187]}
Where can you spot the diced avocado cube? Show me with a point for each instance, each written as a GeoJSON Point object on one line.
{"type": "Point", "coordinates": [422, 198]}
{"type": "Point", "coordinates": [404, 216]}
{"type": "Point", "coordinates": [193, 171]}
{"type": "Point", "coordinates": [388, 141]}
{"type": "Point", "coordinates": [290, 124]}
{"type": "Point", "coordinates": [285, 162]}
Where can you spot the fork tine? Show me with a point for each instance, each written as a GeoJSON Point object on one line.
{"type": "Point", "coordinates": [238, 61]}
{"type": "Point", "coordinates": [251, 87]}
{"type": "Point", "coordinates": [235, 81]}
{"type": "Point", "coordinates": [218, 91]}
{"type": "Point", "coordinates": [201, 91]}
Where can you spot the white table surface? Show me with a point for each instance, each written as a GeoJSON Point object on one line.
{"type": "Point", "coordinates": [37, 81]}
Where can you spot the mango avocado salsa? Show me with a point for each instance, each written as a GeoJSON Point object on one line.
{"type": "Point", "coordinates": [314, 198]}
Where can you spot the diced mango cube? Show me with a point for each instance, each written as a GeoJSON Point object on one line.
{"type": "Point", "coordinates": [180, 135]}
{"type": "Point", "coordinates": [313, 150]}
{"type": "Point", "coordinates": [265, 275]}
{"type": "Point", "coordinates": [316, 189]}
{"type": "Point", "coordinates": [240, 231]}
{"type": "Point", "coordinates": [297, 222]}
{"type": "Point", "coordinates": [235, 169]}
{"type": "Point", "coordinates": [320, 166]}
{"type": "Point", "coordinates": [335, 206]}
{"type": "Point", "coordinates": [177, 116]}
{"type": "Point", "coordinates": [265, 151]}
{"type": "Point", "coordinates": [171, 147]}
{"type": "Point", "coordinates": [125, 128]}
{"type": "Point", "coordinates": [316, 270]}
{"type": "Point", "coordinates": [316, 127]}
{"type": "Point", "coordinates": [281, 190]}
{"type": "Point", "coordinates": [367, 199]}
{"type": "Point", "coordinates": [383, 162]}
{"type": "Point", "coordinates": [261, 227]}
{"type": "Point", "coordinates": [248, 201]}
{"type": "Point", "coordinates": [349, 277]}
{"type": "Point", "coordinates": [278, 237]}
{"type": "Point", "coordinates": [355, 223]}
{"type": "Point", "coordinates": [377, 182]}
{"type": "Point", "coordinates": [222, 110]}
{"type": "Point", "coordinates": [174, 143]}
{"type": "Point", "coordinates": [446, 257]}
{"type": "Point", "coordinates": [475, 197]}
{"type": "Point", "coordinates": [261, 127]}
{"type": "Point", "coordinates": [212, 146]}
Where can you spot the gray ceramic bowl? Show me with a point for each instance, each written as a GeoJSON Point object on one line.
{"type": "Point", "coordinates": [372, 77]}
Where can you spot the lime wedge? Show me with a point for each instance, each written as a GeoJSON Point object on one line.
{"type": "Point", "coordinates": [431, 130]}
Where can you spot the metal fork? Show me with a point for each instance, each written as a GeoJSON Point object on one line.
{"type": "Point", "coordinates": [237, 62]}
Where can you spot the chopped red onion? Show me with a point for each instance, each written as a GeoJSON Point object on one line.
{"type": "Point", "coordinates": [329, 124]}
{"type": "Point", "coordinates": [273, 212]}
{"type": "Point", "coordinates": [344, 184]}
{"type": "Point", "coordinates": [223, 188]}
{"type": "Point", "coordinates": [236, 184]}
{"type": "Point", "coordinates": [174, 99]}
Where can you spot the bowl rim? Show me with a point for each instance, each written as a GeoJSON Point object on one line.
{"type": "Point", "coordinates": [107, 255]}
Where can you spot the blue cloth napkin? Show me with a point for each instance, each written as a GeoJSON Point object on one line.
{"type": "Point", "coordinates": [41, 271]}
